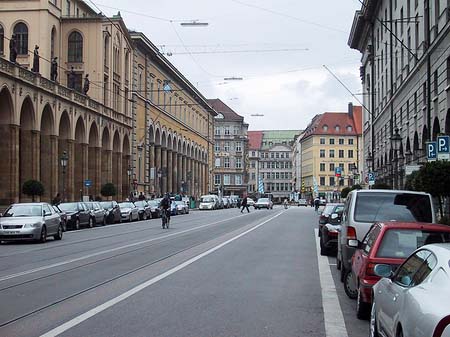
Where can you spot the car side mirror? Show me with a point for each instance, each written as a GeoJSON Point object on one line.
{"type": "Point", "coordinates": [383, 270]}
{"type": "Point", "coordinates": [354, 243]}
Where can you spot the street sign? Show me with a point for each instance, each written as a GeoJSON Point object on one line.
{"type": "Point", "coordinates": [88, 183]}
{"type": "Point", "coordinates": [371, 178]}
{"type": "Point", "coordinates": [443, 147]}
{"type": "Point", "coordinates": [338, 171]}
{"type": "Point", "coordinates": [431, 151]}
{"type": "Point", "coordinates": [411, 168]}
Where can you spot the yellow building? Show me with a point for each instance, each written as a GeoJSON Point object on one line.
{"type": "Point", "coordinates": [173, 143]}
{"type": "Point", "coordinates": [331, 153]}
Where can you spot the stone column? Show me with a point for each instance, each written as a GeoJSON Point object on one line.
{"type": "Point", "coordinates": [85, 169]}
{"type": "Point", "coordinates": [157, 169]}
{"type": "Point", "coordinates": [175, 172]}
{"type": "Point", "coordinates": [70, 171]}
{"type": "Point", "coordinates": [191, 181]}
{"type": "Point", "coordinates": [196, 178]}
{"type": "Point", "coordinates": [184, 170]}
{"type": "Point", "coordinates": [9, 164]}
{"type": "Point", "coordinates": [180, 170]}
{"type": "Point", "coordinates": [164, 170]}
{"type": "Point", "coordinates": [152, 167]}
{"type": "Point", "coordinates": [54, 166]}
{"type": "Point", "coordinates": [36, 154]}
{"type": "Point", "coordinates": [119, 186]}
{"type": "Point", "coordinates": [94, 171]}
{"type": "Point", "coordinates": [169, 172]}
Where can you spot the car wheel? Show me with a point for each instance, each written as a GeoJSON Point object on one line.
{"type": "Point", "coordinates": [77, 224]}
{"type": "Point", "coordinates": [131, 218]}
{"type": "Point", "coordinates": [64, 226]}
{"type": "Point", "coordinates": [362, 308]}
{"type": "Point", "coordinates": [323, 249]}
{"type": "Point", "coordinates": [59, 234]}
{"type": "Point", "coordinates": [104, 221]}
{"type": "Point", "coordinates": [91, 223]}
{"type": "Point", "coordinates": [43, 236]}
{"type": "Point", "coordinates": [350, 285]}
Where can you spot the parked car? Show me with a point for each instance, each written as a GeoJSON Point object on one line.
{"type": "Point", "coordinates": [112, 210]}
{"type": "Point", "coordinates": [97, 212]}
{"type": "Point", "coordinates": [250, 202]}
{"type": "Point", "coordinates": [365, 207]}
{"type": "Point", "coordinates": [62, 215]}
{"type": "Point", "coordinates": [329, 234]}
{"type": "Point", "coordinates": [327, 211]}
{"type": "Point", "coordinates": [209, 201]}
{"type": "Point", "coordinates": [30, 221]}
{"type": "Point", "coordinates": [234, 200]}
{"type": "Point", "coordinates": [173, 208]}
{"type": "Point", "coordinates": [322, 202]}
{"type": "Point", "coordinates": [154, 208]}
{"type": "Point", "coordinates": [263, 203]}
{"type": "Point", "coordinates": [77, 214]}
{"type": "Point", "coordinates": [387, 243]}
{"type": "Point", "coordinates": [182, 208]}
{"type": "Point", "coordinates": [413, 301]}
{"type": "Point", "coordinates": [129, 211]}
{"type": "Point", "coordinates": [302, 202]}
{"type": "Point", "coordinates": [145, 211]}
{"type": "Point", "coordinates": [226, 202]}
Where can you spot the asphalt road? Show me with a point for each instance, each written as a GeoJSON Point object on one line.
{"type": "Point", "coordinates": [213, 273]}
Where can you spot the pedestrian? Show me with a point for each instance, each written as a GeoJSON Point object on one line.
{"type": "Point", "coordinates": [35, 59]}
{"type": "Point", "coordinates": [56, 200]}
{"type": "Point", "coordinates": [316, 204]}
{"type": "Point", "coordinates": [141, 196]}
{"type": "Point", "coordinates": [244, 204]}
{"type": "Point", "coordinates": [13, 49]}
{"type": "Point", "coordinates": [54, 70]}
{"type": "Point", "coordinates": [86, 84]}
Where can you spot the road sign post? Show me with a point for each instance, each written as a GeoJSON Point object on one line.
{"type": "Point", "coordinates": [443, 147]}
{"type": "Point", "coordinates": [431, 151]}
{"type": "Point", "coordinates": [371, 178]}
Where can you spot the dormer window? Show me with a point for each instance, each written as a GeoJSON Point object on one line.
{"type": "Point", "coordinates": [349, 128]}
{"type": "Point", "coordinates": [325, 127]}
{"type": "Point", "coordinates": [337, 128]}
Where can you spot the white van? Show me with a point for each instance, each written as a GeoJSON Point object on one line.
{"type": "Point", "coordinates": [209, 201]}
{"type": "Point", "coordinates": [364, 207]}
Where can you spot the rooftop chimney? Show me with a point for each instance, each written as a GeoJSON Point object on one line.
{"type": "Point", "coordinates": [350, 110]}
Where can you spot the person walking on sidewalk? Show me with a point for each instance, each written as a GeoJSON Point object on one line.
{"type": "Point", "coordinates": [244, 204]}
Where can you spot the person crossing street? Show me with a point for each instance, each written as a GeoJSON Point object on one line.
{"type": "Point", "coordinates": [244, 204]}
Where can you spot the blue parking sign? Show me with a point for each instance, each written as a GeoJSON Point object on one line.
{"type": "Point", "coordinates": [443, 147]}
{"type": "Point", "coordinates": [431, 151]}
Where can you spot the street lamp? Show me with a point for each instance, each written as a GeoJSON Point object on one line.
{"type": "Point", "coordinates": [129, 173]}
{"type": "Point", "coordinates": [64, 160]}
{"type": "Point", "coordinates": [396, 142]}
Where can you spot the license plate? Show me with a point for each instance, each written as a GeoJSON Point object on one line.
{"type": "Point", "coordinates": [12, 232]}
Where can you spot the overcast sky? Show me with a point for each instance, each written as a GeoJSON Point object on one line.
{"type": "Point", "coordinates": [288, 87]}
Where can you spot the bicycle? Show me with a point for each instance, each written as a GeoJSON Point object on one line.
{"type": "Point", "coordinates": [165, 218]}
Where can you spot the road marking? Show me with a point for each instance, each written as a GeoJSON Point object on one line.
{"type": "Point", "coordinates": [102, 307]}
{"type": "Point", "coordinates": [62, 263]}
{"type": "Point", "coordinates": [332, 312]}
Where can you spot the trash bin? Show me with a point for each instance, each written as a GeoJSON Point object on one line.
{"type": "Point", "coordinates": [192, 206]}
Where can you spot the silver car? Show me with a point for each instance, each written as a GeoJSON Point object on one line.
{"type": "Point", "coordinates": [129, 211]}
{"type": "Point", "coordinates": [30, 221]}
{"type": "Point", "coordinates": [414, 301]}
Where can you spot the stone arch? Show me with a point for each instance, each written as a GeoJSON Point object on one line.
{"type": "Point", "coordinates": [48, 153]}
{"type": "Point", "coordinates": [9, 139]}
{"type": "Point", "coordinates": [126, 164]}
{"type": "Point", "coordinates": [28, 146]}
{"type": "Point", "coordinates": [424, 137]}
{"type": "Point", "coordinates": [80, 160]}
{"type": "Point", "coordinates": [416, 146]}
{"type": "Point", "coordinates": [158, 137]}
{"type": "Point", "coordinates": [93, 161]}
{"type": "Point", "coordinates": [151, 134]}
{"type": "Point", "coordinates": [65, 145]}
{"type": "Point", "coordinates": [436, 128]}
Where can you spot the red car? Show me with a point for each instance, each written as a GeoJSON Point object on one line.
{"type": "Point", "coordinates": [387, 243]}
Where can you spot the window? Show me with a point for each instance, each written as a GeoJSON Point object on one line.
{"type": "Point", "coordinates": [238, 162]}
{"type": "Point", "coordinates": [435, 82]}
{"type": "Point", "coordinates": [350, 153]}
{"type": "Point", "coordinates": [238, 179]}
{"type": "Point", "coordinates": [277, 155]}
{"type": "Point", "coordinates": [217, 162]}
{"type": "Point", "coordinates": [21, 32]}
{"type": "Point", "coordinates": [337, 128]}
{"type": "Point", "coordinates": [226, 162]}
{"type": "Point", "coordinates": [226, 147]}
{"type": "Point", "coordinates": [238, 146]}
{"type": "Point", "coordinates": [349, 128]}
{"type": "Point", "coordinates": [253, 175]}
{"type": "Point", "coordinates": [341, 153]}
{"type": "Point", "coordinates": [350, 141]}
{"type": "Point", "coordinates": [236, 130]}
{"type": "Point", "coordinates": [322, 181]}
{"type": "Point", "coordinates": [217, 147]}
{"type": "Point", "coordinates": [227, 130]}
{"type": "Point", "coordinates": [322, 141]}
{"type": "Point", "coordinates": [2, 39]}
{"type": "Point", "coordinates": [68, 7]}
{"type": "Point", "coordinates": [272, 155]}
{"type": "Point", "coordinates": [331, 141]}
{"type": "Point", "coordinates": [253, 153]}
{"type": "Point", "coordinates": [253, 164]}
{"type": "Point", "coordinates": [217, 179]}
{"type": "Point", "coordinates": [277, 175]}
{"type": "Point", "coordinates": [325, 127]}
{"type": "Point", "coordinates": [75, 47]}
{"type": "Point", "coordinates": [407, 271]}
{"type": "Point", "coordinates": [341, 141]}
{"type": "Point", "coordinates": [282, 155]}
{"type": "Point", "coordinates": [322, 167]}
{"type": "Point", "coordinates": [332, 182]}
{"type": "Point", "coordinates": [217, 131]}
{"type": "Point", "coordinates": [287, 155]}
{"type": "Point", "coordinates": [332, 167]}
{"type": "Point", "coordinates": [331, 153]}
{"type": "Point", "coordinates": [226, 179]}
{"type": "Point", "coordinates": [322, 153]}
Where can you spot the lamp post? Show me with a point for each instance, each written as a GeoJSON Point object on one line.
{"type": "Point", "coordinates": [129, 173]}
{"type": "Point", "coordinates": [396, 142]}
{"type": "Point", "coordinates": [354, 173]}
{"type": "Point", "coordinates": [64, 160]}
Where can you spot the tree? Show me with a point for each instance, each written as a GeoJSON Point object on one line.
{"type": "Point", "coordinates": [108, 190]}
{"type": "Point", "coordinates": [345, 191]}
{"type": "Point", "coordinates": [381, 186]}
{"type": "Point", "coordinates": [33, 188]}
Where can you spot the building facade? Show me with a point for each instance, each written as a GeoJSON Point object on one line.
{"type": "Point", "coordinates": [41, 119]}
{"type": "Point", "coordinates": [297, 182]}
{"type": "Point", "coordinates": [405, 73]}
{"type": "Point", "coordinates": [173, 139]}
{"type": "Point", "coordinates": [230, 150]}
{"type": "Point", "coordinates": [271, 164]}
{"type": "Point", "coordinates": [331, 144]}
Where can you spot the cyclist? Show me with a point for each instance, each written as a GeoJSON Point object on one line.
{"type": "Point", "coordinates": [165, 209]}
{"type": "Point", "coordinates": [286, 204]}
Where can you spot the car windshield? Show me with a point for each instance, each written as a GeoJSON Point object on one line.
{"type": "Point", "coordinates": [207, 199]}
{"type": "Point", "coordinates": [400, 243]}
{"type": "Point", "coordinates": [69, 207]}
{"type": "Point", "coordinates": [153, 203]}
{"type": "Point", "coordinates": [106, 204]}
{"type": "Point", "coordinates": [23, 211]}
{"type": "Point", "coordinates": [126, 205]}
{"type": "Point", "coordinates": [140, 203]}
{"type": "Point", "coordinates": [408, 207]}
{"type": "Point", "coordinates": [263, 200]}
{"type": "Point", "coordinates": [89, 205]}
{"type": "Point", "coordinates": [328, 209]}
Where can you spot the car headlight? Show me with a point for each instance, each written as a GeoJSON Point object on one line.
{"type": "Point", "coordinates": [32, 225]}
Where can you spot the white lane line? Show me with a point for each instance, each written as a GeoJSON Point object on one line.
{"type": "Point", "coordinates": [332, 312]}
{"type": "Point", "coordinates": [102, 307]}
{"type": "Point", "coordinates": [62, 263]}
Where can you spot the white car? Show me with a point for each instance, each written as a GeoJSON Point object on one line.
{"type": "Point", "coordinates": [250, 202]}
{"type": "Point", "coordinates": [414, 301]}
{"type": "Point", "coordinates": [129, 211]}
{"type": "Point", "coordinates": [210, 201]}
